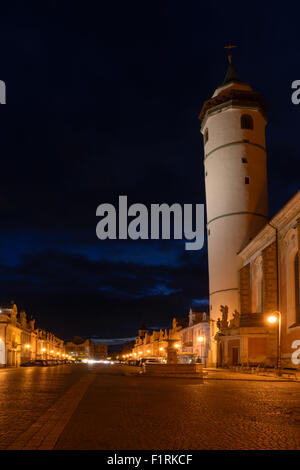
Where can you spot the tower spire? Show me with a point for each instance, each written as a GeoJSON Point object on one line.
{"type": "Point", "coordinates": [230, 74]}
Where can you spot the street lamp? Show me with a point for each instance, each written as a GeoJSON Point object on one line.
{"type": "Point", "coordinates": [201, 339]}
{"type": "Point", "coordinates": [272, 319]}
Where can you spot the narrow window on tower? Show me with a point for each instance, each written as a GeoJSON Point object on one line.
{"type": "Point", "coordinates": [244, 160]}
{"type": "Point", "coordinates": [246, 121]}
{"type": "Point", "coordinates": [247, 180]}
{"type": "Point", "coordinates": [206, 136]}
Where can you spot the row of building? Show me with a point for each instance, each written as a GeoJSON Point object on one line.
{"type": "Point", "coordinates": [21, 341]}
{"type": "Point", "coordinates": [189, 336]}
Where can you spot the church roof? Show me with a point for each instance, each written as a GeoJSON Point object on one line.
{"type": "Point", "coordinates": [231, 75]}
{"type": "Point", "coordinates": [233, 97]}
{"type": "Point", "coordinates": [233, 92]}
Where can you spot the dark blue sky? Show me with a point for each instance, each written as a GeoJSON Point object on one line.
{"type": "Point", "coordinates": [103, 101]}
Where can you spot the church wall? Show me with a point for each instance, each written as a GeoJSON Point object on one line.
{"type": "Point", "coordinates": [269, 300]}
{"type": "Point", "coordinates": [245, 289]}
{"type": "Point", "coordinates": [289, 246]}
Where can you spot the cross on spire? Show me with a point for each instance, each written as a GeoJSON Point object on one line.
{"type": "Point", "coordinates": [229, 56]}
{"type": "Point", "coordinates": [230, 75]}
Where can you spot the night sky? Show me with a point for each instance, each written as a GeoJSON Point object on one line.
{"type": "Point", "coordinates": [104, 101]}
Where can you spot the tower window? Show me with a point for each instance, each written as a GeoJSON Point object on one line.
{"type": "Point", "coordinates": [244, 160]}
{"type": "Point", "coordinates": [247, 180]}
{"type": "Point", "coordinates": [246, 121]}
{"type": "Point", "coordinates": [206, 135]}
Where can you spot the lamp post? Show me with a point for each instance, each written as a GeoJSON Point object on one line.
{"type": "Point", "coordinates": [276, 318]}
{"type": "Point", "coordinates": [201, 340]}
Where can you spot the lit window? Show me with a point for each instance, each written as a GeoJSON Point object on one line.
{"type": "Point", "coordinates": [247, 180]}
{"type": "Point", "coordinates": [244, 160]}
{"type": "Point", "coordinates": [246, 121]}
{"type": "Point", "coordinates": [206, 136]}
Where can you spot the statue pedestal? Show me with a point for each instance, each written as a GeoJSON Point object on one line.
{"type": "Point", "coordinates": [193, 371]}
{"type": "Point", "coordinates": [172, 357]}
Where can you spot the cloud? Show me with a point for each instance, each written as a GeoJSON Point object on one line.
{"type": "Point", "coordinates": [60, 287]}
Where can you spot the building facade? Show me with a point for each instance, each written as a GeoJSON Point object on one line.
{"type": "Point", "coordinates": [85, 349]}
{"type": "Point", "coordinates": [253, 262]}
{"type": "Point", "coordinates": [21, 342]}
{"type": "Point", "coordinates": [195, 338]}
{"type": "Point", "coordinates": [99, 350]}
{"type": "Point", "coordinates": [155, 343]}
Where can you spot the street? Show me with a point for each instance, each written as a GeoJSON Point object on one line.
{"type": "Point", "coordinates": [110, 407]}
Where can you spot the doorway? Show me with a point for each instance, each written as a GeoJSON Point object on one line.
{"type": "Point", "coordinates": [235, 356]}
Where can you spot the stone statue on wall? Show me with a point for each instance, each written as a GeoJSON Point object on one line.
{"type": "Point", "coordinates": [224, 321]}
{"type": "Point", "coordinates": [23, 319]}
{"type": "Point", "coordinates": [235, 322]}
{"type": "Point", "coordinates": [14, 313]}
{"type": "Point", "coordinates": [31, 323]}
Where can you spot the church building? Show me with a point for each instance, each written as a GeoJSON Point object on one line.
{"type": "Point", "coordinates": [253, 261]}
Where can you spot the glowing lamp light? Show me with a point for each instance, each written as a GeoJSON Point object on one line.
{"type": "Point", "coordinates": [140, 352]}
{"type": "Point", "coordinates": [272, 319]}
{"type": "Point", "coordinates": [43, 349]}
{"type": "Point", "coordinates": [134, 354]}
{"type": "Point", "coordinates": [148, 351]}
{"type": "Point", "coordinates": [51, 351]}
{"type": "Point", "coordinates": [176, 346]}
{"type": "Point", "coordinates": [27, 346]}
{"type": "Point", "coordinates": [161, 349]}
{"type": "Point", "coordinates": [200, 339]}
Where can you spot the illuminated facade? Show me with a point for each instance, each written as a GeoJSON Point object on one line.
{"type": "Point", "coordinates": [195, 338]}
{"type": "Point", "coordinates": [21, 342]}
{"type": "Point", "coordinates": [253, 262]}
{"type": "Point", "coordinates": [86, 349]}
{"type": "Point", "coordinates": [155, 343]}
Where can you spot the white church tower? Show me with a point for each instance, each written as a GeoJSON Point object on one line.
{"type": "Point", "coordinates": [233, 126]}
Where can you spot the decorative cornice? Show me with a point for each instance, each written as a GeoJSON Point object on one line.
{"type": "Point", "coordinates": [233, 97]}
{"type": "Point", "coordinates": [267, 234]}
{"type": "Point", "coordinates": [236, 213]}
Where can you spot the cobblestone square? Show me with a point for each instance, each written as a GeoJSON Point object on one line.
{"type": "Point", "coordinates": [112, 407]}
